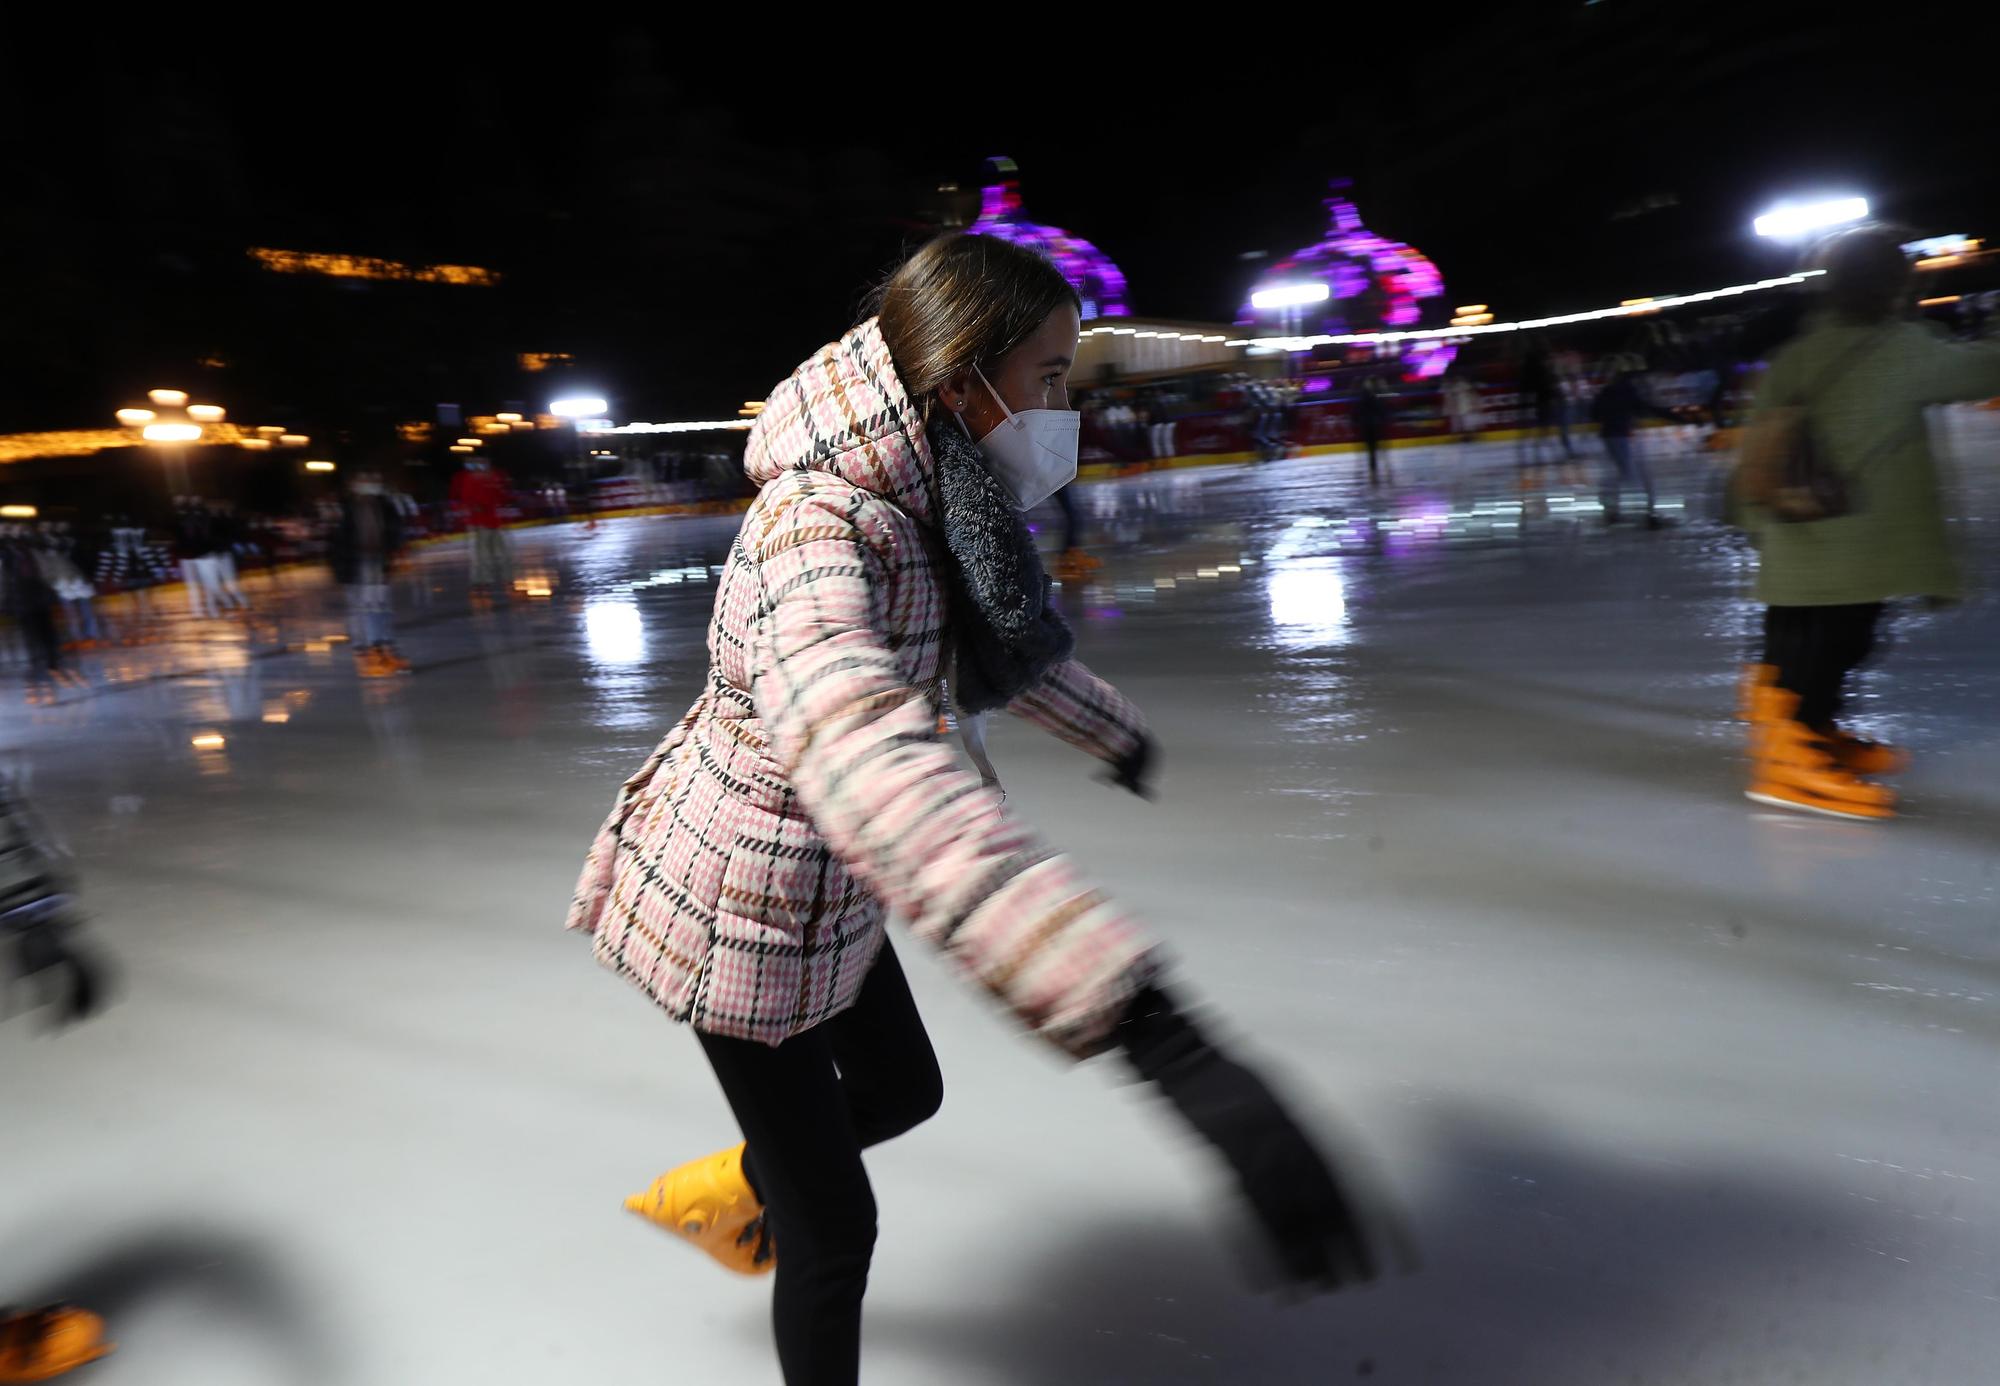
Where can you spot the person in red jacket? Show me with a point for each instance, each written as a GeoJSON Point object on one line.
{"type": "Point", "coordinates": [479, 495]}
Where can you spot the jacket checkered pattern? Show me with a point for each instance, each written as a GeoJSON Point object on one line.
{"type": "Point", "coordinates": [742, 876]}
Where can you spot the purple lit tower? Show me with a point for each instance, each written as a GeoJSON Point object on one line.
{"type": "Point", "coordinates": [1098, 282]}
{"type": "Point", "coordinates": [1370, 284]}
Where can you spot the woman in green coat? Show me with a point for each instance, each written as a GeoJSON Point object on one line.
{"type": "Point", "coordinates": [1853, 387]}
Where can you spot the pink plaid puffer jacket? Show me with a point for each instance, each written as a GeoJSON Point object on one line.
{"type": "Point", "coordinates": [742, 875]}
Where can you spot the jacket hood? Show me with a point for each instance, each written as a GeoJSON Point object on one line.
{"type": "Point", "coordinates": [844, 411]}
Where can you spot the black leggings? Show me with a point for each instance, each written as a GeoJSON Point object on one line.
{"type": "Point", "coordinates": [1814, 648]}
{"type": "Point", "coordinates": [808, 1108]}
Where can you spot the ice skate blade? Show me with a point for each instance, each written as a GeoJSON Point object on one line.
{"type": "Point", "coordinates": [1775, 802]}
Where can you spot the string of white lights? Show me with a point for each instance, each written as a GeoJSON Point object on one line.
{"type": "Point", "coordinates": [690, 426]}
{"type": "Point", "coordinates": [1623, 310]}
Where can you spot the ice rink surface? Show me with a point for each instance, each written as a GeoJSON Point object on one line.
{"type": "Point", "coordinates": [1450, 832]}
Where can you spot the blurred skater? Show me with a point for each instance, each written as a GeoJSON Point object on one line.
{"type": "Point", "coordinates": [1541, 403]}
{"type": "Point", "coordinates": [1374, 411]}
{"type": "Point", "coordinates": [744, 873]}
{"type": "Point", "coordinates": [39, 954]}
{"type": "Point", "coordinates": [1075, 562]}
{"type": "Point", "coordinates": [31, 601]}
{"type": "Point", "coordinates": [1618, 408]}
{"type": "Point", "coordinates": [362, 552]}
{"type": "Point", "coordinates": [1840, 486]}
{"type": "Point", "coordinates": [1461, 405]}
{"type": "Point", "coordinates": [479, 494]}
{"type": "Point", "coordinates": [61, 567]}
{"type": "Point", "coordinates": [207, 571]}
{"type": "Point", "coordinates": [229, 537]}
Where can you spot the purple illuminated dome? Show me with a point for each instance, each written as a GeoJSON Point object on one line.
{"type": "Point", "coordinates": [1098, 282]}
{"type": "Point", "coordinates": [1352, 280]}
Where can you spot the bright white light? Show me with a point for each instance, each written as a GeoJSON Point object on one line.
{"type": "Point", "coordinates": [172, 433]}
{"type": "Point", "coordinates": [319, 466]}
{"type": "Point", "coordinates": [1308, 601]}
{"type": "Point", "coordinates": [577, 407]}
{"type": "Point", "coordinates": [1290, 295]}
{"type": "Point", "coordinates": [206, 413]}
{"type": "Point", "coordinates": [1789, 221]}
{"type": "Point", "coordinates": [614, 633]}
{"type": "Point", "coordinates": [135, 418]}
{"type": "Point", "coordinates": [172, 399]}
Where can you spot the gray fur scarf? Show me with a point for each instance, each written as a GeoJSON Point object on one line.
{"type": "Point", "coordinates": [1007, 633]}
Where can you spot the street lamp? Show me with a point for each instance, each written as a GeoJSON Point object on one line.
{"type": "Point", "coordinates": [1794, 221]}
{"type": "Point", "coordinates": [169, 425]}
{"type": "Point", "coordinates": [577, 408]}
{"type": "Point", "coordinates": [1288, 299]}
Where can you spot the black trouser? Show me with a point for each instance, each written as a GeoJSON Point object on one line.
{"type": "Point", "coordinates": [1814, 648]}
{"type": "Point", "coordinates": [38, 629]}
{"type": "Point", "coordinates": [808, 1108]}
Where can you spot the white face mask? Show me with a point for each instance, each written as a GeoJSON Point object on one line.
{"type": "Point", "coordinates": [1033, 453]}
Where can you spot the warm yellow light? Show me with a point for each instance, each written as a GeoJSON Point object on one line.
{"type": "Point", "coordinates": [257, 444]}
{"type": "Point", "coordinates": [335, 266]}
{"type": "Point", "coordinates": [171, 399]}
{"type": "Point", "coordinates": [468, 442]}
{"type": "Point", "coordinates": [1921, 303]}
{"type": "Point", "coordinates": [1472, 308]}
{"type": "Point", "coordinates": [209, 741]}
{"type": "Point", "coordinates": [460, 447]}
{"type": "Point", "coordinates": [278, 717]}
{"type": "Point", "coordinates": [18, 512]}
{"type": "Point", "coordinates": [206, 413]}
{"type": "Point", "coordinates": [294, 440]}
{"type": "Point", "coordinates": [317, 466]}
{"type": "Point", "coordinates": [508, 418]}
{"type": "Point", "coordinates": [269, 430]}
{"type": "Point", "coordinates": [171, 433]}
{"type": "Point", "coordinates": [520, 425]}
{"type": "Point", "coordinates": [135, 418]}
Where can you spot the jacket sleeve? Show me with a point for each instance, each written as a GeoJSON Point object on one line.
{"type": "Point", "coordinates": [860, 746]}
{"type": "Point", "coordinates": [1082, 709]}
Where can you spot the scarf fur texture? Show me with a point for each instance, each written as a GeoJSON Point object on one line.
{"type": "Point", "coordinates": [1007, 632]}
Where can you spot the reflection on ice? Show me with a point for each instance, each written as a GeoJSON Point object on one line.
{"type": "Point", "coordinates": [1308, 600]}
{"type": "Point", "coordinates": [613, 632]}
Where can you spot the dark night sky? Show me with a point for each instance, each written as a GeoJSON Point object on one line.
{"type": "Point", "coordinates": [697, 223]}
